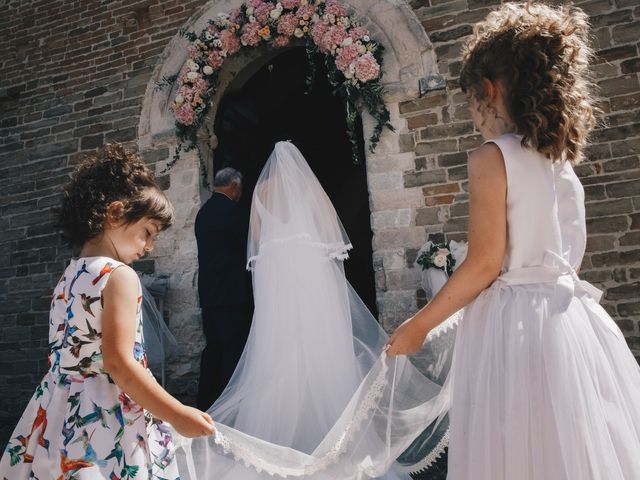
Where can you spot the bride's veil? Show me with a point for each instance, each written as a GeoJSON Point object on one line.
{"type": "Point", "coordinates": [313, 395]}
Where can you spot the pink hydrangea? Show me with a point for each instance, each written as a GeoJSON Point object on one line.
{"type": "Point", "coordinates": [184, 113]}
{"type": "Point", "coordinates": [287, 24]}
{"type": "Point", "coordinates": [334, 8]}
{"type": "Point", "coordinates": [367, 68]}
{"type": "Point", "coordinates": [255, 3]}
{"type": "Point", "coordinates": [307, 11]}
{"type": "Point", "coordinates": [281, 41]}
{"type": "Point", "coordinates": [194, 52]}
{"type": "Point", "coordinates": [318, 32]}
{"type": "Point", "coordinates": [290, 4]}
{"type": "Point", "coordinates": [235, 16]}
{"type": "Point", "coordinates": [215, 60]}
{"type": "Point", "coordinates": [250, 34]}
{"type": "Point", "coordinates": [347, 55]}
{"type": "Point", "coordinates": [262, 11]}
{"type": "Point", "coordinates": [186, 92]}
{"type": "Point", "coordinates": [200, 86]}
{"type": "Point", "coordinates": [333, 38]}
{"type": "Point", "coordinates": [357, 33]}
{"type": "Point", "coordinates": [230, 41]}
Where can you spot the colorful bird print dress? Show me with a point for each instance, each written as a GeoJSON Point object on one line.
{"type": "Point", "coordinates": [79, 424]}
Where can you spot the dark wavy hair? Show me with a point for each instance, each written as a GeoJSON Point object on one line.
{"type": "Point", "coordinates": [111, 174]}
{"type": "Point", "coordinates": [540, 54]}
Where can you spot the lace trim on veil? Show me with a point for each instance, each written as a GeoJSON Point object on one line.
{"type": "Point", "coordinates": [430, 459]}
{"type": "Point", "coordinates": [335, 250]}
{"type": "Point", "coordinates": [259, 463]}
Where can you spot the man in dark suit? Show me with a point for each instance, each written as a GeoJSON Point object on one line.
{"type": "Point", "coordinates": [224, 286]}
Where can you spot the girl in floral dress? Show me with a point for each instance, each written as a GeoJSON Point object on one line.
{"type": "Point", "coordinates": [98, 412]}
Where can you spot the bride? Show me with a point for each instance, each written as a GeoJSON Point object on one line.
{"type": "Point", "coordinates": [312, 373]}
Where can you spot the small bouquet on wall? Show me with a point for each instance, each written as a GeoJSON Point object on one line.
{"type": "Point", "coordinates": [438, 262]}
{"type": "Point", "coordinates": [438, 255]}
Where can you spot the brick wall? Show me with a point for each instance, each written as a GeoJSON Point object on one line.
{"type": "Point", "coordinates": [73, 75]}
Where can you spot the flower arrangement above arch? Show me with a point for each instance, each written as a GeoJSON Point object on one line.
{"type": "Point", "coordinates": [353, 59]}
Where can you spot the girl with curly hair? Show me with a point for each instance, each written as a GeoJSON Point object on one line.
{"type": "Point", "coordinates": [98, 412]}
{"type": "Point", "coordinates": [543, 384]}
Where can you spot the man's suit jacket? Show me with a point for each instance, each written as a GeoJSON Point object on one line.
{"type": "Point", "coordinates": [221, 234]}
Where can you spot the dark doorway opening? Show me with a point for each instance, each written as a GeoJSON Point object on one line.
{"type": "Point", "coordinates": [275, 104]}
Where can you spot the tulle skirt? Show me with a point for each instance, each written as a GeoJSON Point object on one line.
{"type": "Point", "coordinates": [542, 391]}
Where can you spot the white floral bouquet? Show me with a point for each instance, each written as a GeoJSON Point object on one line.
{"type": "Point", "coordinates": [438, 262]}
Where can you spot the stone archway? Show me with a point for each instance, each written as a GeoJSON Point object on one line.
{"type": "Point", "coordinates": [408, 58]}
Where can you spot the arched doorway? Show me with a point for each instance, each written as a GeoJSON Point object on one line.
{"type": "Point", "coordinates": [276, 104]}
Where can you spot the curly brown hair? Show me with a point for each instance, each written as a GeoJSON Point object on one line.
{"type": "Point", "coordinates": [111, 174]}
{"type": "Point", "coordinates": [541, 54]}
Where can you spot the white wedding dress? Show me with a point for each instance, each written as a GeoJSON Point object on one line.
{"type": "Point", "coordinates": [312, 396]}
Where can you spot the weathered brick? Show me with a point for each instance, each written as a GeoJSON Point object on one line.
{"type": "Point", "coordinates": [618, 223]}
{"type": "Point", "coordinates": [438, 146]}
{"type": "Point", "coordinates": [424, 178]}
{"type": "Point", "coordinates": [430, 100]}
{"type": "Point", "coordinates": [626, 33]}
{"type": "Point", "coordinates": [623, 189]}
{"type": "Point", "coordinates": [615, 258]}
{"type": "Point", "coordinates": [601, 209]}
{"type": "Point", "coordinates": [423, 120]}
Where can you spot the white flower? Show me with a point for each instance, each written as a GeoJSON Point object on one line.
{"type": "Point", "coordinates": [331, 17]}
{"type": "Point", "coordinates": [208, 36]}
{"type": "Point", "coordinates": [192, 75]}
{"type": "Point", "coordinates": [298, 33]}
{"type": "Point", "coordinates": [440, 261]}
{"type": "Point", "coordinates": [275, 13]}
{"type": "Point", "coordinates": [362, 49]}
{"type": "Point", "coordinates": [366, 38]}
{"type": "Point", "coordinates": [347, 41]}
{"type": "Point", "coordinates": [207, 70]}
{"type": "Point", "coordinates": [315, 18]}
{"type": "Point", "coordinates": [252, 18]}
{"type": "Point", "coordinates": [304, 2]}
{"type": "Point", "coordinates": [193, 66]}
{"type": "Point", "coordinates": [179, 100]}
{"type": "Point", "coordinates": [249, 11]}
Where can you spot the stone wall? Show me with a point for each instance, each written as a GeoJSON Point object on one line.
{"type": "Point", "coordinates": [75, 74]}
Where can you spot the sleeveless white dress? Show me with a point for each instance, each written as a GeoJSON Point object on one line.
{"type": "Point", "coordinates": [544, 385]}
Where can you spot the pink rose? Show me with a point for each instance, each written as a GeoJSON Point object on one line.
{"type": "Point", "coordinates": [186, 93]}
{"type": "Point", "coordinates": [290, 4]}
{"type": "Point", "coordinates": [347, 55]}
{"type": "Point", "coordinates": [184, 113]}
{"type": "Point", "coordinates": [250, 34]}
{"type": "Point", "coordinates": [281, 41]}
{"type": "Point", "coordinates": [367, 68]}
{"type": "Point", "coordinates": [230, 41]}
{"type": "Point", "coordinates": [215, 60]}
{"type": "Point", "coordinates": [287, 24]}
